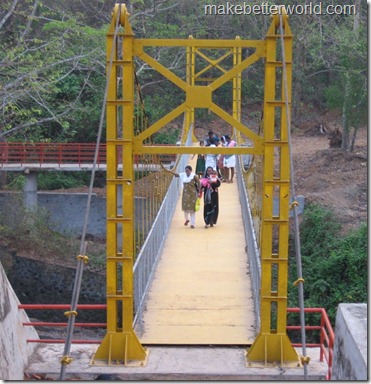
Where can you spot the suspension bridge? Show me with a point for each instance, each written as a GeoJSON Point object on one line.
{"type": "Point", "coordinates": [171, 285]}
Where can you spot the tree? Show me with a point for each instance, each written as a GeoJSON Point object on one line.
{"type": "Point", "coordinates": [50, 62]}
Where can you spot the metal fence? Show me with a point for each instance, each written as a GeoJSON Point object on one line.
{"type": "Point", "coordinates": [252, 248]}
{"type": "Point", "coordinates": [147, 260]}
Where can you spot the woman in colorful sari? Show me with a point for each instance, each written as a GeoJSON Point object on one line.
{"type": "Point", "coordinates": [209, 185]}
{"type": "Point", "coordinates": [191, 190]}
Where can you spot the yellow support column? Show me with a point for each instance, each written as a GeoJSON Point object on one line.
{"type": "Point", "coordinates": [272, 343]}
{"type": "Point", "coordinates": [190, 112]}
{"type": "Point", "coordinates": [120, 345]}
{"type": "Point", "coordinates": [237, 86]}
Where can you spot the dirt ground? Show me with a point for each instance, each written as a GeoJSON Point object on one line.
{"type": "Point", "coordinates": [332, 178]}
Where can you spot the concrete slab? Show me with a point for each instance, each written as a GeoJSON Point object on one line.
{"type": "Point", "coordinates": [201, 291]}
{"type": "Point", "coordinates": [171, 363]}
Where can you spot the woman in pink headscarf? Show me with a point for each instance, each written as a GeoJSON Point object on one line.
{"type": "Point", "coordinates": [209, 185]}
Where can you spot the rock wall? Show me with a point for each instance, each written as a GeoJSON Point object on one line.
{"type": "Point", "coordinates": [350, 348]}
{"type": "Point", "coordinates": [14, 349]}
{"type": "Point", "coordinates": [36, 282]}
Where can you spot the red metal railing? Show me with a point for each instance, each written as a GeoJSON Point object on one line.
{"type": "Point", "coordinates": [56, 324]}
{"type": "Point", "coordinates": [326, 342]}
{"type": "Point", "coordinates": [60, 153]}
{"type": "Point", "coordinates": [327, 336]}
{"type": "Point", "coordinates": [51, 153]}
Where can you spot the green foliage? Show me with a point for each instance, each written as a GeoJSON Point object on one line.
{"type": "Point", "coordinates": [52, 69]}
{"type": "Point", "coordinates": [62, 180]}
{"type": "Point", "coordinates": [54, 180]}
{"type": "Point", "coordinates": [334, 266]}
{"type": "Point", "coordinates": [15, 182]}
{"type": "Point", "coordinates": [30, 231]}
{"type": "Point", "coordinates": [318, 231]}
{"type": "Point", "coordinates": [53, 63]}
{"type": "Point", "coordinates": [166, 136]}
{"type": "Point", "coordinates": [159, 104]}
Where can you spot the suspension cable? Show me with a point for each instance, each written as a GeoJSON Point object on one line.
{"type": "Point", "coordinates": [82, 258]}
{"type": "Point", "coordinates": [300, 280]}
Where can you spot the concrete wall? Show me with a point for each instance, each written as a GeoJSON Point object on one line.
{"type": "Point", "coordinates": [14, 350]}
{"type": "Point", "coordinates": [350, 349]}
{"type": "Point", "coordinates": [67, 211]}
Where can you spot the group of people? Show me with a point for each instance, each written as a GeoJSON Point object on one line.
{"type": "Point", "coordinates": [193, 189]}
{"type": "Point", "coordinates": [224, 165]}
{"type": "Point", "coordinates": [211, 170]}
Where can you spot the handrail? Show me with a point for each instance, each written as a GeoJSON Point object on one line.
{"type": "Point", "coordinates": [326, 343]}
{"type": "Point", "coordinates": [58, 153]}
{"type": "Point", "coordinates": [60, 324]}
{"type": "Point", "coordinates": [327, 336]}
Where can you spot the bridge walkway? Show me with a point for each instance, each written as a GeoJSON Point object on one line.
{"type": "Point", "coordinates": [201, 293]}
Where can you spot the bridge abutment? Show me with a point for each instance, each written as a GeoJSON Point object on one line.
{"type": "Point", "coordinates": [350, 347]}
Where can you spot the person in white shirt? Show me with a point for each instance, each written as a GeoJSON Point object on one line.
{"type": "Point", "coordinates": [229, 160]}
{"type": "Point", "coordinates": [211, 158]}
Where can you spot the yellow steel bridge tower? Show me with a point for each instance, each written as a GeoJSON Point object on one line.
{"type": "Point", "coordinates": [124, 142]}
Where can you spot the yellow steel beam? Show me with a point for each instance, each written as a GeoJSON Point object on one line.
{"type": "Point", "coordinates": [258, 141]}
{"type": "Point", "coordinates": [198, 43]}
{"type": "Point", "coordinates": [190, 77]}
{"type": "Point", "coordinates": [120, 343]}
{"type": "Point", "coordinates": [141, 149]}
{"type": "Point", "coordinates": [272, 343]}
{"type": "Point", "coordinates": [163, 70]}
{"type": "Point", "coordinates": [213, 63]}
{"type": "Point", "coordinates": [160, 123]}
{"type": "Point", "coordinates": [237, 87]}
{"type": "Point", "coordinates": [258, 54]}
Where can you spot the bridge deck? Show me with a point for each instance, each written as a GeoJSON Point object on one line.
{"type": "Point", "coordinates": [201, 290]}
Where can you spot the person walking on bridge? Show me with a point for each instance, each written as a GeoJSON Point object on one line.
{"type": "Point", "coordinates": [191, 191]}
{"type": "Point", "coordinates": [210, 184]}
{"type": "Point", "coordinates": [229, 160]}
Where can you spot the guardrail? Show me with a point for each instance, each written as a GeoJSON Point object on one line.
{"type": "Point", "coordinates": [326, 342]}
{"type": "Point", "coordinates": [60, 153]}
{"type": "Point", "coordinates": [146, 263]}
{"type": "Point", "coordinates": [58, 324]}
{"type": "Point", "coordinates": [51, 153]}
{"type": "Point", "coordinates": [327, 336]}
{"type": "Point", "coordinates": [253, 252]}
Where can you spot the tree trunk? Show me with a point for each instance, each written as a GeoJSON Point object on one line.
{"type": "Point", "coordinates": [353, 139]}
{"type": "Point", "coordinates": [345, 117]}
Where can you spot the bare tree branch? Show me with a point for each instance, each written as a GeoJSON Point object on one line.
{"type": "Point", "coordinates": [11, 11]}
{"type": "Point", "coordinates": [29, 22]}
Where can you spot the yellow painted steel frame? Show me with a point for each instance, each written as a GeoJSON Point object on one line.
{"type": "Point", "coordinates": [121, 345]}
{"type": "Point", "coordinates": [272, 344]}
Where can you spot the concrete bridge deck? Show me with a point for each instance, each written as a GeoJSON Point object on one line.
{"type": "Point", "coordinates": [201, 291]}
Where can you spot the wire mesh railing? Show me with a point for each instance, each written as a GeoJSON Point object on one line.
{"type": "Point", "coordinates": [150, 235]}
{"type": "Point", "coordinates": [252, 244]}
{"type": "Point", "coordinates": [250, 180]}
